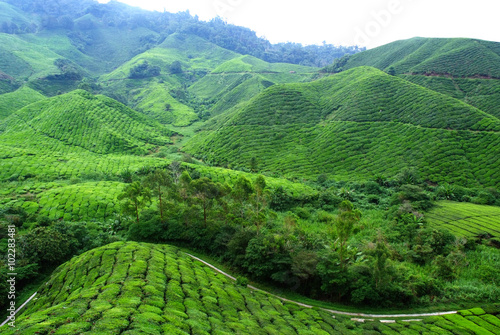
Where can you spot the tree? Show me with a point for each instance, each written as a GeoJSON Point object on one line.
{"type": "Point", "coordinates": [45, 246]}
{"type": "Point", "coordinates": [136, 196]}
{"type": "Point", "coordinates": [206, 191]}
{"type": "Point", "coordinates": [175, 67]}
{"type": "Point", "coordinates": [144, 70]}
{"type": "Point", "coordinates": [344, 224]}
{"type": "Point", "coordinates": [176, 169]}
{"type": "Point", "coordinates": [241, 192]}
{"type": "Point", "coordinates": [158, 181]}
{"type": "Point", "coordinates": [253, 164]}
{"type": "Point", "coordinates": [260, 199]}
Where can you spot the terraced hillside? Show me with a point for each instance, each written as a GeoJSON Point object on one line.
{"type": "Point", "coordinates": [95, 123]}
{"type": "Point", "coordinates": [480, 93]}
{"type": "Point", "coordinates": [465, 219]}
{"type": "Point", "coordinates": [208, 77]}
{"type": "Point", "coordinates": [457, 57]}
{"type": "Point", "coordinates": [241, 78]}
{"type": "Point", "coordinates": [133, 288]}
{"type": "Point", "coordinates": [357, 124]}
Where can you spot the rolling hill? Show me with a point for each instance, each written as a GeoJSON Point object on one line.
{"type": "Point", "coordinates": [95, 123]}
{"type": "Point", "coordinates": [210, 79]}
{"type": "Point", "coordinates": [11, 102]}
{"type": "Point", "coordinates": [330, 126]}
{"type": "Point", "coordinates": [448, 56]}
{"type": "Point", "coordinates": [464, 69]}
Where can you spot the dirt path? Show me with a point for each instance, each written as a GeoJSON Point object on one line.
{"type": "Point", "coordinates": [325, 309]}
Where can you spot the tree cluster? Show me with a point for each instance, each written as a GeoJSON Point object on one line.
{"type": "Point", "coordinates": [73, 16]}
{"type": "Point", "coordinates": [237, 224]}
{"type": "Point", "coordinates": [144, 70]}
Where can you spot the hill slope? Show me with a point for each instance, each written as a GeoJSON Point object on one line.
{"type": "Point", "coordinates": [126, 288]}
{"type": "Point", "coordinates": [359, 123]}
{"type": "Point", "coordinates": [11, 102]}
{"type": "Point", "coordinates": [137, 288]}
{"type": "Point", "coordinates": [95, 123]}
{"type": "Point", "coordinates": [208, 79]}
{"type": "Point", "coordinates": [449, 56]}
{"type": "Point", "coordinates": [480, 93]}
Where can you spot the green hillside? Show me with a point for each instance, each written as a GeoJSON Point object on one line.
{"type": "Point", "coordinates": [156, 101]}
{"type": "Point", "coordinates": [466, 219]}
{"type": "Point", "coordinates": [327, 126]}
{"type": "Point", "coordinates": [133, 288]}
{"type": "Point", "coordinates": [457, 57]}
{"type": "Point", "coordinates": [193, 52]}
{"type": "Point", "coordinates": [11, 102]}
{"type": "Point", "coordinates": [10, 14]}
{"type": "Point", "coordinates": [95, 123]}
{"type": "Point", "coordinates": [242, 78]}
{"type": "Point", "coordinates": [209, 80]}
{"type": "Point", "coordinates": [483, 94]}
{"type": "Point", "coordinates": [156, 289]}
{"type": "Point", "coordinates": [332, 186]}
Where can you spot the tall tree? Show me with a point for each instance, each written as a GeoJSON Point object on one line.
{"type": "Point", "coordinates": [207, 192]}
{"type": "Point", "coordinates": [344, 225]}
{"type": "Point", "coordinates": [136, 196]}
{"type": "Point", "coordinates": [241, 192]}
{"type": "Point", "coordinates": [260, 200]}
{"type": "Point", "coordinates": [159, 181]}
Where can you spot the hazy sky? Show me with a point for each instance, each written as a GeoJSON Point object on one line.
{"type": "Point", "coordinates": [356, 22]}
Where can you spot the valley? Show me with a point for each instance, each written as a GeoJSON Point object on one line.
{"type": "Point", "coordinates": [347, 180]}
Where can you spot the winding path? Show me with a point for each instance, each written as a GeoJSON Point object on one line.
{"type": "Point", "coordinates": [285, 299]}
{"type": "Point", "coordinates": [325, 309]}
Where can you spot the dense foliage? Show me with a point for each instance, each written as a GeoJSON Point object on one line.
{"type": "Point", "coordinates": [157, 289]}
{"type": "Point", "coordinates": [79, 18]}
{"type": "Point", "coordinates": [249, 225]}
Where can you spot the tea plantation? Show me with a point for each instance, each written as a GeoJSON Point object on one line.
{"type": "Point", "coordinates": [458, 57]}
{"type": "Point", "coordinates": [330, 126]}
{"type": "Point", "coordinates": [369, 185]}
{"type": "Point", "coordinates": [466, 219]}
{"type": "Point", "coordinates": [134, 288]}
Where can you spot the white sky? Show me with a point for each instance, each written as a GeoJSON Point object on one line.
{"type": "Point", "coordinates": [368, 23]}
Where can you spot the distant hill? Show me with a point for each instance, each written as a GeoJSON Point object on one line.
{"type": "Point", "coordinates": [356, 124]}
{"type": "Point", "coordinates": [465, 69]}
{"type": "Point", "coordinates": [207, 79]}
{"type": "Point", "coordinates": [115, 32]}
{"type": "Point", "coordinates": [457, 57]}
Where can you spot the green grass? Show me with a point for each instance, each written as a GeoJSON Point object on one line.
{"type": "Point", "coordinates": [330, 126]}
{"type": "Point", "coordinates": [465, 219]}
{"type": "Point", "coordinates": [128, 287]}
